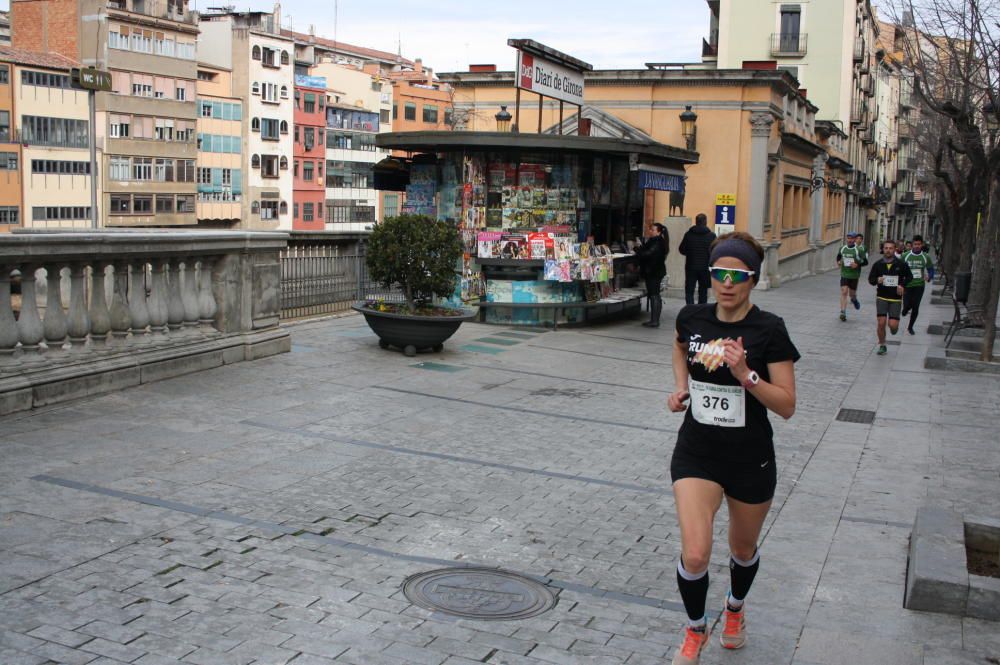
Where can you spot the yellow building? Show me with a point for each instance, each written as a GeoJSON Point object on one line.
{"type": "Point", "coordinates": [760, 151]}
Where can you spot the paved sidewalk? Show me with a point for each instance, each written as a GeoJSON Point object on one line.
{"type": "Point", "coordinates": [269, 512]}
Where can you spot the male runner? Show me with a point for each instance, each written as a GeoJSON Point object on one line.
{"type": "Point", "coordinates": [922, 267]}
{"type": "Point", "coordinates": [851, 259]}
{"type": "Point", "coordinates": [888, 275]}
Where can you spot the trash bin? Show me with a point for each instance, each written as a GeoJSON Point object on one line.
{"type": "Point", "coordinates": [963, 284]}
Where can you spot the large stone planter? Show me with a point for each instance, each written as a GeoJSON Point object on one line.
{"type": "Point", "coordinates": [412, 333]}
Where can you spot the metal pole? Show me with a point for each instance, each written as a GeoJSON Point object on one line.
{"type": "Point", "coordinates": [93, 159]}
{"type": "Point", "coordinates": [540, 100]}
{"type": "Point", "coordinates": [517, 111]}
{"type": "Point", "coordinates": [560, 116]}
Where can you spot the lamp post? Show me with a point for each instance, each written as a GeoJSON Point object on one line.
{"type": "Point", "coordinates": [688, 129]}
{"type": "Point", "coordinates": [503, 119]}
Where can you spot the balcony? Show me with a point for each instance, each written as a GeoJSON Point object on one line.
{"type": "Point", "coordinates": [788, 44]}
{"type": "Point", "coordinates": [909, 198]}
{"type": "Point", "coordinates": [859, 50]}
{"type": "Point", "coordinates": [868, 85]}
{"type": "Point", "coordinates": [905, 130]}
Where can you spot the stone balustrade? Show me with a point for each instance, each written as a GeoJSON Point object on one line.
{"type": "Point", "coordinates": [91, 311]}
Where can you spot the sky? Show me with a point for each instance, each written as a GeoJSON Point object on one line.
{"type": "Point", "coordinates": [449, 35]}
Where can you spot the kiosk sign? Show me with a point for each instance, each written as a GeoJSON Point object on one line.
{"type": "Point", "coordinates": [547, 78]}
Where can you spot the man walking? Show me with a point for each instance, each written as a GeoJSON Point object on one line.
{"type": "Point", "coordinates": [920, 264]}
{"type": "Point", "coordinates": [851, 259]}
{"type": "Point", "coordinates": [694, 246]}
{"type": "Point", "coordinates": [888, 275]}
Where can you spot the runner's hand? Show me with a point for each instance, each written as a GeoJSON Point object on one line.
{"type": "Point", "coordinates": [736, 358]}
{"type": "Point", "coordinates": [675, 402]}
{"type": "Point", "coordinates": [880, 279]}
{"type": "Point", "coordinates": [899, 290]}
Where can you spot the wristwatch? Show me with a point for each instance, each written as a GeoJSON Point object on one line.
{"type": "Point", "coordinates": [753, 380]}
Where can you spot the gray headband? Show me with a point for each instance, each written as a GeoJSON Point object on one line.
{"type": "Point", "coordinates": [738, 249]}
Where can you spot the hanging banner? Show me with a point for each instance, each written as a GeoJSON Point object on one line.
{"type": "Point", "coordinates": [660, 181]}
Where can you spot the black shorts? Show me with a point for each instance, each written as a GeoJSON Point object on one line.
{"type": "Point", "coordinates": [890, 308]}
{"type": "Point", "coordinates": [849, 282]}
{"type": "Point", "coordinates": [749, 482]}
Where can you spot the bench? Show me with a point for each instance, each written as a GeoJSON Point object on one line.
{"type": "Point", "coordinates": [620, 301]}
{"type": "Point", "coordinates": [965, 316]}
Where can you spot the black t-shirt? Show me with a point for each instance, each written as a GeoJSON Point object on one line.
{"type": "Point", "coordinates": [765, 340]}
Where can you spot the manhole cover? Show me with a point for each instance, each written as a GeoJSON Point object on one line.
{"type": "Point", "coordinates": [478, 593]}
{"type": "Point", "coordinates": [856, 416]}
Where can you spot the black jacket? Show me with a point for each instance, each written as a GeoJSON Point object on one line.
{"type": "Point", "coordinates": [695, 246]}
{"type": "Point", "coordinates": [652, 257]}
{"type": "Point", "coordinates": [897, 269]}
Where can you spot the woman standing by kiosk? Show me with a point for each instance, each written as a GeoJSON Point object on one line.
{"type": "Point", "coordinates": [734, 362]}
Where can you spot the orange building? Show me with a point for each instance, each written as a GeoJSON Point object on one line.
{"type": "Point", "coordinates": [309, 152]}
{"type": "Point", "coordinates": [10, 150]}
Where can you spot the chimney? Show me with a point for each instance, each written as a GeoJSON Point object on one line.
{"type": "Point", "coordinates": [418, 66]}
{"type": "Point", "coordinates": [482, 68]}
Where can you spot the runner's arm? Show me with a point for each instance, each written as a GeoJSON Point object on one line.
{"type": "Point", "coordinates": [778, 394]}
{"type": "Point", "coordinates": [675, 402]}
{"type": "Point", "coordinates": [872, 276]}
{"type": "Point", "coordinates": [930, 269]}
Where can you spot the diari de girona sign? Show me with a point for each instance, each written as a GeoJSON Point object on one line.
{"type": "Point", "coordinates": [548, 78]}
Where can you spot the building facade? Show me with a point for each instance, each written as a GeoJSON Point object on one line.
{"type": "Point", "coordinates": [309, 155]}
{"type": "Point", "coordinates": [221, 172]}
{"type": "Point", "coordinates": [10, 151]}
{"type": "Point", "coordinates": [145, 129]}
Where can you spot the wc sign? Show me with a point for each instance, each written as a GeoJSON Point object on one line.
{"type": "Point", "coordinates": [725, 214]}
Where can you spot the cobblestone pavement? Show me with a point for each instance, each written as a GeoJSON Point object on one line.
{"type": "Point", "coordinates": [269, 512]}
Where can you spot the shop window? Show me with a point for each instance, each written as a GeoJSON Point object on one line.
{"type": "Point", "coordinates": [255, 53]}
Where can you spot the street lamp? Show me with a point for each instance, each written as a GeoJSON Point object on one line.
{"type": "Point", "coordinates": [688, 129]}
{"type": "Point", "coordinates": [503, 119]}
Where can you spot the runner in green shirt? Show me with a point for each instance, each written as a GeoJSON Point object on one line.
{"type": "Point", "coordinates": [920, 264]}
{"type": "Point", "coordinates": [851, 258]}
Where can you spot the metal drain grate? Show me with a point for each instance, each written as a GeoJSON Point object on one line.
{"type": "Point", "coordinates": [893, 342]}
{"type": "Point", "coordinates": [856, 416]}
{"type": "Point", "coordinates": [479, 593]}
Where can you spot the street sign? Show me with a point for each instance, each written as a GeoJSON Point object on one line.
{"type": "Point", "coordinates": [725, 199]}
{"type": "Point", "coordinates": [89, 78]}
{"type": "Point", "coordinates": [725, 219]}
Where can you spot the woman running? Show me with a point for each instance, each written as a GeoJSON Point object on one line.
{"type": "Point", "coordinates": [734, 362]}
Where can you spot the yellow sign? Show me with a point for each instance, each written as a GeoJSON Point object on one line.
{"type": "Point", "coordinates": [725, 199]}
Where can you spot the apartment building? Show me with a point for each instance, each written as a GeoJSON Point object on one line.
{"type": "Point", "coordinates": [220, 169]}
{"type": "Point", "coordinates": [145, 128]}
{"type": "Point", "coordinates": [355, 106]}
{"type": "Point", "coordinates": [830, 47]}
{"type": "Point", "coordinates": [10, 150]}
{"type": "Point", "coordinates": [250, 46]}
{"type": "Point", "coordinates": [309, 157]}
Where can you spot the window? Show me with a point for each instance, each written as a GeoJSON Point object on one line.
{"type": "Point", "coordinates": [409, 111]}
{"type": "Point", "coordinates": [204, 176]}
{"type": "Point", "coordinates": [185, 170]}
{"type": "Point", "coordinates": [308, 170]}
{"type": "Point", "coordinates": [5, 77]}
{"type": "Point", "coordinates": [142, 40]}
{"type": "Point", "coordinates": [430, 113]}
{"type": "Point", "coordinates": [319, 210]}
{"type": "Point", "coordinates": [181, 93]}
{"type": "Point", "coordinates": [165, 45]}
{"type": "Point", "coordinates": [186, 50]}
{"type": "Point", "coordinates": [5, 126]}
{"type": "Point", "coordinates": [296, 135]}
{"type": "Point", "coordinates": [255, 125]}
{"type": "Point", "coordinates": [284, 163]}
{"type": "Point", "coordinates": [284, 126]}
{"type": "Point", "coordinates": [269, 129]}
{"type": "Point", "coordinates": [449, 116]}
{"type": "Point", "coordinates": [307, 212]}
{"type": "Point", "coordinates": [255, 162]}
{"type": "Point", "coordinates": [119, 126]}
{"type": "Point", "coordinates": [164, 170]}
{"type": "Point", "coordinates": [268, 209]}
{"type": "Point", "coordinates": [10, 215]}
{"type": "Point", "coordinates": [295, 169]}
{"type": "Point", "coordinates": [255, 53]}
{"type": "Point", "coordinates": [205, 76]}
{"type": "Point", "coordinates": [164, 130]}
{"type": "Point", "coordinates": [383, 115]}
{"type": "Point", "coordinates": [267, 57]}
{"type": "Point", "coordinates": [791, 16]}
{"type": "Point", "coordinates": [284, 92]}
{"type": "Point", "coordinates": [118, 37]}
{"type": "Point", "coordinates": [56, 213]}
{"type": "Point", "coordinates": [142, 168]}
{"type": "Point", "coordinates": [42, 130]}
{"type": "Point", "coordinates": [284, 57]}
{"type": "Point", "coordinates": [227, 177]}
{"type": "Point", "coordinates": [142, 204]}
{"type": "Point", "coordinates": [308, 137]}
{"type": "Point", "coordinates": [45, 79]}
{"type": "Point", "coordinates": [310, 103]}
{"type": "Point", "coordinates": [164, 203]}
{"type": "Point", "coordinates": [269, 166]}
{"type": "Point", "coordinates": [185, 203]}
{"type": "Point", "coordinates": [118, 169]}
{"type": "Point", "coordinates": [390, 205]}
{"type": "Point", "coordinates": [8, 161]}
{"type": "Point", "coordinates": [142, 90]}
{"type": "Point", "coordinates": [295, 210]}
{"type": "Point", "coordinates": [395, 111]}
{"type": "Point", "coordinates": [255, 88]}
{"type": "Point", "coordinates": [269, 92]}
{"type": "Point", "coordinates": [298, 98]}
{"type": "Point", "coordinates": [48, 166]}
{"type": "Point", "coordinates": [283, 208]}
{"type": "Point", "coordinates": [255, 208]}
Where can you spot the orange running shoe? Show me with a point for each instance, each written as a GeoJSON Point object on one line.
{"type": "Point", "coordinates": [694, 644]}
{"type": "Point", "coordinates": [734, 630]}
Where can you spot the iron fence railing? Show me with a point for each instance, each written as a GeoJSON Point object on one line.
{"type": "Point", "coordinates": [322, 280]}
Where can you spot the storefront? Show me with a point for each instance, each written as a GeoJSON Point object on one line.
{"type": "Point", "coordinates": [548, 222]}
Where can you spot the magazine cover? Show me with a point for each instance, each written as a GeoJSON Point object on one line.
{"type": "Point", "coordinates": [494, 217]}
{"type": "Point", "coordinates": [541, 245]}
{"type": "Point", "coordinates": [586, 269]}
{"type": "Point", "coordinates": [551, 269]}
{"type": "Point", "coordinates": [562, 244]}
{"type": "Point", "coordinates": [565, 271]}
{"type": "Point", "coordinates": [576, 269]}
{"type": "Point", "coordinates": [488, 244]}
{"type": "Point", "coordinates": [513, 246]}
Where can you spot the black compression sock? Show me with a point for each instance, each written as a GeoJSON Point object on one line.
{"type": "Point", "coordinates": [741, 574]}
{"type": "Point", "coordinates": [694, 591]}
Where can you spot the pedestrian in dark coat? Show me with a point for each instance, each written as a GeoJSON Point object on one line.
{"type": "Point", "coordinates": [695, 246]}
{"type": "Point", "coordinates": [653, 268]}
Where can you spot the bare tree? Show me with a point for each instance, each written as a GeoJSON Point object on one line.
{"type": "Point", "coordinates": [952, 48]}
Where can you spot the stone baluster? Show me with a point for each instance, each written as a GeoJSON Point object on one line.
{"type": "Point", "coordinates": [29, 323]}
{"type": "Point", "coordinates": [78, 325]}
{"type": "Point", "coordinates": [55, 325]}
{"type": "Point", "coordinates": [175, 304]}
{"type": "Point", "coordinates": [120, 319]}
{"type": "Point", "coordinates": [158, 302]}
{"type": "Point", "coordinates": [206, 299]}
{"type": "Point", "coordinates": [9, 335]}
{"type": "Point", "coordinates": [100, 315]}
{"type": "Point", "coordinates": [189, 296]}
{"type": "Point", "coordinates": [138, 309]}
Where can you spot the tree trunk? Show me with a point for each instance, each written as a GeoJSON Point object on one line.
{"type": "Point", "coordinates": [991, 240]}
{"type": "Point", "coordinates": [408, 292]}
{"type": "Point", "coordinates": [966, 241]}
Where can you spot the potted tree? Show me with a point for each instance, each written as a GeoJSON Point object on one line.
{"type": "Point", "coordinates": [419, 253]}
